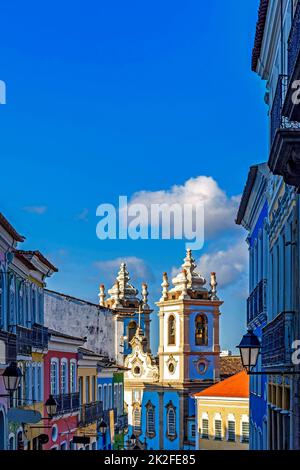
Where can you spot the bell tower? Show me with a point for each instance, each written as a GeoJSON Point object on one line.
{"type": "Point", "coordinates": [189, 314]}
{"type": "Point", "coordinates": [130, 311]}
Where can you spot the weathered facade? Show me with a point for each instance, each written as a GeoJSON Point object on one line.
{"type": "Point", "coordinates": [85, 319]}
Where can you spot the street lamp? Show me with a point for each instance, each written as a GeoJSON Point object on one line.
{"type": "Point", "coordinates": [102, 428]}
{"type": "Point", "coordinates": [133, 440]}
{"type": "Point", "coordinates": [249, 350]}
{"type": "Point", "coordinates": [51, 406]}
{"type": "Point", "coordinates": [11, 377]}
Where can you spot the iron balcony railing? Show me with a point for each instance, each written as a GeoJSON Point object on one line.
{"type": "Point", "coordinates": [122, 422]}
{"type": "Point", "coordinates": [278, 121]}
{"type": "Point", "coordinates": [67, 403]}
{"type": "Point", "coordinates": [257, 301]}
{"type": "Point", "coordinates": [24, 340]}
{"type": "Point", "coordinates": [277, 338]}
{"type": "Point", "coordinates": [39, 336]}
{"type": "Point", "coordinates": [294, 41]}
{"type": "Point", "coordinates": [91, 413]}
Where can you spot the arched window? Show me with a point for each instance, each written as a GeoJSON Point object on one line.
{"type": "Point", "coordinates": [64, 383]}
{"type": "Point", "coordinates": [12, 303]}
{"type": "Point", "coordinates": [131, 330]}
{"type": "Point", "coordinates": [105, 404]}
{"type": "Point", "coordinates": [218, 427]}
{"type": "Point", "coordinates": [245, 430]}
{"type": "Point", "coordinates": [171, 330]}
{"type": "Point", "coordinates": [54, 377]}
{"type": "Point", "coordinates": [33, 302]}
{"type": "Point", "coordinates": [136, 420]}
{"type": "Point", "coordinates": [171, 421]}
{"type": "Point", "coordinates": [205, 426]}
{"type": "Point", "coordinates": [99, 392]}
{"type": "Point", "coordinates": [21, 305]}
{"type": "Point", "coordinates": [11, 442]}
{"type": "Point", "coordinates": [231, 428]}
{"type": "Point", "coordinates": [150, 419]}
{"type": "Point", "coordinates": [201, 336]}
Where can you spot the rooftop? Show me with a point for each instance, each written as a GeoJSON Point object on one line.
{"type": "Point", "coordinates": [10, 229]}
{"type": "Point", "coordinates": [236, 386]}
{"type": "Point", "coordinates": [259, 34]}
{"type": "Point", "coordinates": [230, 365]}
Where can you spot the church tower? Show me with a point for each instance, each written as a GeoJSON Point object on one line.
{"type": "Point", "coordinates": [189, 313]}
{"type": "Point", "coordinates": [126, 304]}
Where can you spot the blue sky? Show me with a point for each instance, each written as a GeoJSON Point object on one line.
{"type": "Point", "coordinates": [114, 98]}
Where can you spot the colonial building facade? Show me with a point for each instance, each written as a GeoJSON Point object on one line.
{"type": "Point", "coordinates": [158, 392]}
{"type": "Point", "coordinates": [276, 60]}
{"type": "Point", "coordinates": [253, 215]}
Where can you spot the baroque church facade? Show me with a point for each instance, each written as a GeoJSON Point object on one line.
{"type": "Point", "coordinates": [159, 390]}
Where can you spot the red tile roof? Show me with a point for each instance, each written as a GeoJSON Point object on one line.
{"type": "Point", "coordinates": [236, 386]}
{"type": "Point", "coordinates": [9, 228]}
{"type": "Point", "coordinates": [260, 28]}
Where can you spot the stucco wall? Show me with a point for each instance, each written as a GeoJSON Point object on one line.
{"type": "Point", "coordinates": [82, 319]}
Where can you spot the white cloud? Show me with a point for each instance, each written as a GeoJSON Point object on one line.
{"type": "Point", "coordinates": [230, 264]}
{"type": "Point", "coordinates": [137, 268]}
{"type": "Point", "coordinates": [38, 210]}
{"type": "Point", "coordinates": [220, 209]}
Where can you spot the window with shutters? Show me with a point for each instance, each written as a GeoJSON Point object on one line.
{"type": "Point", "coordinates": [150, 419]}
{"type": "Point", "coordinates": [171, 421]}
{"type": "Point", "coordinates": [54, 377]}
{"type": "Point", "coordinates": [218, 430]}
{"type": "Point", "coordinates": [231, 431]}
{"type": "Point", "coordinates": [204, 430]}
{"type": "Point", "coordinates": [245, 432]}
{"type": "Point", "coordinates": [64, 376]}
{"type": "Point", "coordinates": [136, 420]}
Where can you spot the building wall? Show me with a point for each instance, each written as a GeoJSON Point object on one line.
{"type": "Point", "coordinates": [79, 318]}
{"type": "Point", "coordinates": [221, 409]}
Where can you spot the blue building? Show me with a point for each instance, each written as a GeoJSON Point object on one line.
{"type": "Point", "coordinates": [253, 216]}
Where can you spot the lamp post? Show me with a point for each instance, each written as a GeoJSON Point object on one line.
{"type": "Point", "coordinates": [132, 440]}
{"type": "Point", "coordinates": [250, 348]}
{"type": "Point", "coordinates": [51, 406]}
{"type": "Point", "coordinates": [102, 429]}
{"type": "Point", "coordinates": [11, 378]}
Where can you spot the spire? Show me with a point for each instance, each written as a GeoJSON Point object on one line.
{"type": "Point", "coordinates": [195, 281]}
{"type": "Point", "coordinates": [123, 278]}
{"type": "Point", "coordinates": [213, 285]}
{"type": "Point", "coordinates": [122, 290]}
{"type": "Point", "coordinates": [184, 293]}
{"type": "Point", "coordinates": [165, 286]}
{"type": "Point", "coordinates": [145, 295]}
{"type": "Point", "coordinates": [102, 295]}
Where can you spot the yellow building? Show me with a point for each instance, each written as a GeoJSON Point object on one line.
{"type": "Point", "coordinates": [222, 415]}
{"type": "Point", "coordinates": [90, 407]}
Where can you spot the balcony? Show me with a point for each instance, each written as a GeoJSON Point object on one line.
{"type": "Point", "coordinates": [24, 341]}
{"type": "Point", "coordinates": [91, 413]}
{"type": "Point", "coordinates": [39, 337]}
{"type": "Point", "coordinates": [257, 303]}
{"type": "Point", "coordinates": [284, 157]}
{"type": "Point", "coordinates": [122, 423]}
{"type": "Point", "coordinates": [67, 403]}
{"type": "Point", "coordinates": [290, 109]}
{"type": "Point", "coordinates": [277, 341]}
